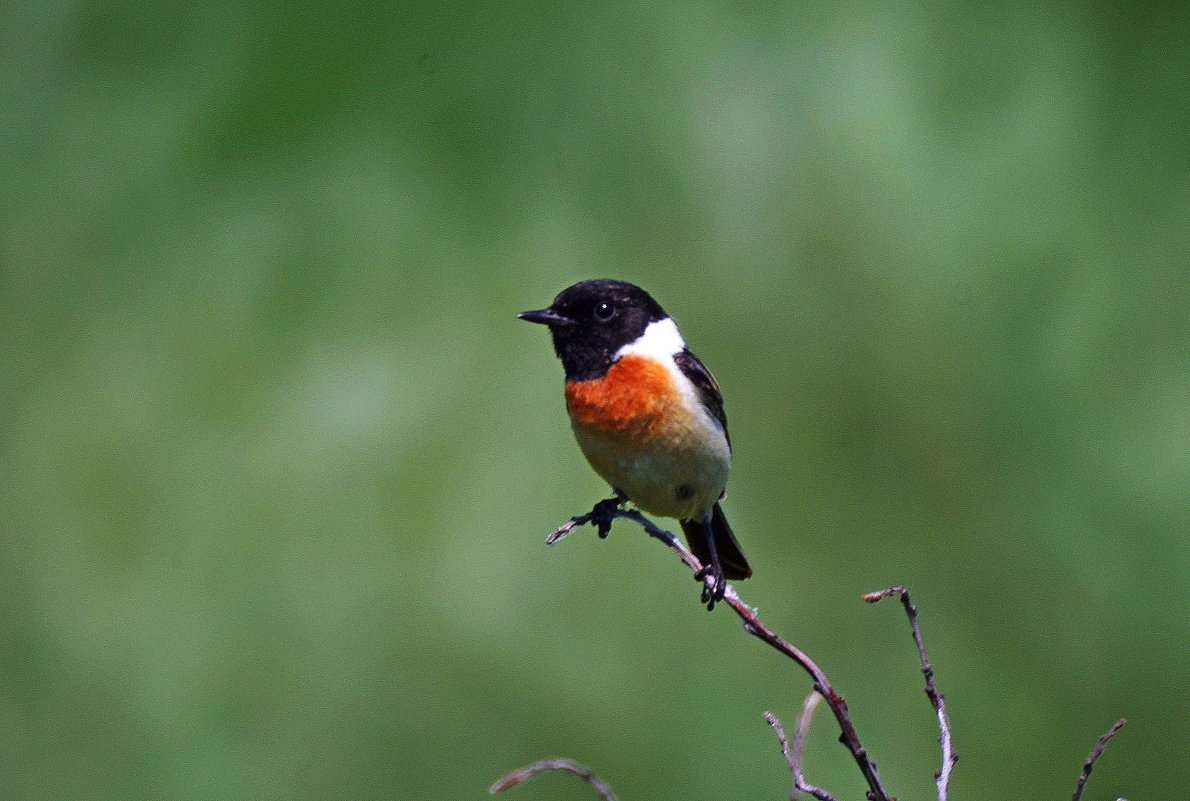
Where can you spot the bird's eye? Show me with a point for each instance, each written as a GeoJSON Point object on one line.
{"type": "Point", "coordinates": [604, 311]}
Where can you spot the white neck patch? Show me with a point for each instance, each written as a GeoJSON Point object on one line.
{"type": "Point", "coordinates": [660, 341]}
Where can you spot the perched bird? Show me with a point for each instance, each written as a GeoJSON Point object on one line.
{"type": "Point", "coordinates": [648, 416]}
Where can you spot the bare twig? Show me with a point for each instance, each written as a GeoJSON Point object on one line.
{"type": "Point", "coordinates": [753, 625]}
{"type": "Point", "coordinates": [793, 753]}
{"type": "Point", "coordinates": [949, 757]}
{"type": "Point", "coordinates": [565, 765]}
{"type": "Point", "coordinates": [802, 730]}
{"type": "Point", "coordinates": [1089, 765]}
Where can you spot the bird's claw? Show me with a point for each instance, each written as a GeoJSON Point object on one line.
{"type": "Point", "coordinates": [714, 585]}
{"type": "Point", "coordinates": [603, 514]}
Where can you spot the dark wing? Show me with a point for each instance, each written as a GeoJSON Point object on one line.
{"type": "Point", "coordinates": [707, 386]}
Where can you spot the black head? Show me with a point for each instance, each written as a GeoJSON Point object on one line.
{"type": "Point", "coordinates": [592, 320]}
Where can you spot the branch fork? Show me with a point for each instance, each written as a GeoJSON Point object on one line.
{"type": "Point", "coordinates": [754, 626]}
{"type": "Point", "coordinates": [602, 516]}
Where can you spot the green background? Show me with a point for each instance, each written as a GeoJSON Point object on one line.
{"type": "Point", "coordinates": [277, 461]}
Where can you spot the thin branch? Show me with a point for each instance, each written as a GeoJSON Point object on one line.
{"type": "Point", "coordinates": [753, 625]}
{"type": "Point", "coordinates": [1089, 765]}
{"type": "Point", "coordinates": [517, 776]}
{"type": "Point", "coordinates": [802, 730]}
{"type": "Point", "coordinates": [949, 757]}
{"type": "Point", "coordinates": [793, 753]}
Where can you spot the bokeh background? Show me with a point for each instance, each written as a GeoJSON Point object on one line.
{"type": "Point", "coordinates": [277, 461]}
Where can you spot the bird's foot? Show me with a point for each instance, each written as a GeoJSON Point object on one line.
{"type": "Point", "coordinates": [601, 516]}
{"type": "Point", "coordinates": [714, 585]}
{"type": "Point", "coordinates": [604, 513]}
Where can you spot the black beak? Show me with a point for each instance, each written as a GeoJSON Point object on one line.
{"type": "Point", "coordinates": [545, 317]}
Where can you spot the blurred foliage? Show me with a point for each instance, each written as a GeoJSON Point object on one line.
{"type": "Point", "coordinates": [277, 461]}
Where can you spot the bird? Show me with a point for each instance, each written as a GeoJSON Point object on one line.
{"type": "Point", "coordinates": [648, 416]}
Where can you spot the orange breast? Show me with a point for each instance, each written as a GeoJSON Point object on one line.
{"type": "Point", "coordinates": [635, 399]}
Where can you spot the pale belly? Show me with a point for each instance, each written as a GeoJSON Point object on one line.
{"type": "Point", "coordinates": [679, 476]}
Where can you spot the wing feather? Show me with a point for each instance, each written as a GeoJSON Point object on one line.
{"type": "Point", "coordinates": [707, 386]}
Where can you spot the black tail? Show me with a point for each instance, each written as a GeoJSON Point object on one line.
{"type": "Point", "coordinates": [735, 564]}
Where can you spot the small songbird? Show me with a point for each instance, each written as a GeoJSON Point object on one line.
{"type": "Point", "coordinates": [648, 416]}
